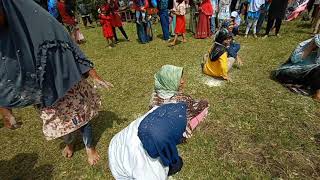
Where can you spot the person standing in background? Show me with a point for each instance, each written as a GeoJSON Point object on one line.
{"type": "Point", "coordinates": [233, 5]}
{"type": "Point", "coordinates": [193, 21]}
{"type": "Point", "coordinates": [277, 12]}
{"type": "Point", "coordinates": [85, 13]}
{"type": "Point", "coordinates": [205, 13]}
{"type": "Point", "coordinates": [164, 6]}
{"type": "Point", "coordinates": [224, 11]}
{"type": "Point", "coordinates": [215, 5]}
{"type": "Point", "coordinates": [316, 17]}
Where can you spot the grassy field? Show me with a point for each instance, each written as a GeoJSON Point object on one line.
{"type": "Point", "coordinates": [256, 129]}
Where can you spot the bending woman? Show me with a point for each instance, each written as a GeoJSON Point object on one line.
{"type": "Point", "coordinates": [147, 148]}
{"type": "Point", "coordinates": [302, 71]}
{"type": "Point", "coordinates": [44, 67]}
{"type": "Point", "coordinates": [169, 86]}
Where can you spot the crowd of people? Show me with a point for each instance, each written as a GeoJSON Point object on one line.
{"type": "Point", "coordinates": [206, 17]}
{"type": "Point", "coordinates": [45, 67]}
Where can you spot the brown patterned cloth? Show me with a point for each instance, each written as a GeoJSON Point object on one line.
{"type": "Point", "coordinates": [74, 110]}
{"type": "Point", "coordinates": [195, 107]}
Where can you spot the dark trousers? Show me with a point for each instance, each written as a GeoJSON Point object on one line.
{"type": "Point", "coordinates": [85, 20]}
{"type": "Point", "coordinates": [271, 21]}
{"type": "Point", "coordinates": [122, 31]}
{"type": "Point", "coordinates": [233, 5]}
{"type": "Point", "coordinates": [262, 17]}
{"type": "Point", "coordinates": [164, 20]}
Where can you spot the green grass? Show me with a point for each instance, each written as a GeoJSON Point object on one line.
{"type": "Point", "coordinates": [256, 129]}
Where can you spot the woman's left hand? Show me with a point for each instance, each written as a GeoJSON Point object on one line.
{"type": "Point", "coordinates": [102, 83]}
{"type": "Point", "coordinates": [98, 80]}
{"type": "Point", "coordinates": [311, 47]}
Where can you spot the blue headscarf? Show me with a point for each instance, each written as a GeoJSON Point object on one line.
{"type": "Point", "coordinates": [39, 62]}
{"type": "Point", "coordinates": [162, 130]}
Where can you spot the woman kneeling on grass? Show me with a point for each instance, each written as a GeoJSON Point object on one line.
{"type": "Point", "coordinates": [44, 67]}
{"type": "Point", "coordinates": [169, 85]}
{"type": "Point", "coordinates": [302, 71]}
{"type": "Point", "coordinates": [219, 62]}
{"type": "Point", "coordinates": [147, 148]}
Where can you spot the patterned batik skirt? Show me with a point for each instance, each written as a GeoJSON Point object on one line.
{"type": "Point", "coordinates": [80, 104]}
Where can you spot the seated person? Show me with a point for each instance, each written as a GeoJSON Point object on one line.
{"type": "Point", "coordinates": [302, 71]}
{"type": "Point", "coordinates": [147, 148]}
{"type": "Point", "coordinates": [169, 85]}
{"type": "Point", "coordinates": [221, 56]}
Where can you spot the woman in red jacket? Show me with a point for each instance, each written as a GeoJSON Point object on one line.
{"type": "Point", "coordinates": [116, 19]}
{"type": "Point", "coordinates": [205, 12]}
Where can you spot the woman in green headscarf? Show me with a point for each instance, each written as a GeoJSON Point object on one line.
{"type": "Point", "coordinates": [169, 85]}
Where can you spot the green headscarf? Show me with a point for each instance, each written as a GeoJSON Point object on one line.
{"type": "Point", "coordinates": [167, 81]}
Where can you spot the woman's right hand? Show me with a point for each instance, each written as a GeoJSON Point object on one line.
{"type": "Point", "coordinates": [311, 47]}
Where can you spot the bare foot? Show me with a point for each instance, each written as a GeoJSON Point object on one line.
{"type": "Point", "coordinates": [317, 95]}
{"type": "Point", "coordinates": [10, 122]}
{"type": "Point", "coordinates": [68, 151]}
{"type": "Point", "coordinates": [172, 44]}
{"type": "Point", "coordinates": [93, 156]}
{"type": "Point", "coordinates": [184, 40]}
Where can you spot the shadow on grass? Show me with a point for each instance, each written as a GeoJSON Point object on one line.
{"type": "Point", "coordinates": [103, 122]}
{"type": "Point", "coordinates": [22, 166]}
{"type": "Point", "coordinates": [100, 124]}
{"type": "Point", "coordinates": [305, 25]}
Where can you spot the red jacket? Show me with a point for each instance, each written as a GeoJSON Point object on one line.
{"type": "Point", "coordinates": [66, 18]}
{"type": "Point", "coordinates": [137, 8]}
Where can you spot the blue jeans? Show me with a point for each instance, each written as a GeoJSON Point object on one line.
{"type": "Point", "coordinates": [164, 20]}
{"type": "Point", "coordinates": [86, 132]}
{"type": "Point", "coordinates": [233, 50]}
{"type": "Point", "coordinates": [213, 24]}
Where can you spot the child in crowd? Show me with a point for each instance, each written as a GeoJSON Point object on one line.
{"type": "Point", "coordinates": [140, 15]}
{"type": "Point", "coordinates": [219, 61]}
{"type": "Point", "coordinates": [105, 21]}
{"type": "Point", "coordinates": [180, 11]}
{"type": "Point", "coordinates": [236, 21]}
{"type": "Point", "coordinates": [253, 16]}
{"type": "Point", "coordinates": [232, 24]}
{"type": "Point", "coordinates": [215, 6]}
{"type": "Point", "coordinates": [224, 11]}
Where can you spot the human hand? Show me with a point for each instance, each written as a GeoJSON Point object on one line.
{"type": "Point", "coordinates": [239, 62]}
{"type": "Point", "coordinates": [228, 79]}
{"type": "Point", "coordinates": [99, 83]}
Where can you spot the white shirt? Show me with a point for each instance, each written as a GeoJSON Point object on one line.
{"type": "Point", "coordinates": [129, 160]}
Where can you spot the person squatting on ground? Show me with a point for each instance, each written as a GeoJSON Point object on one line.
{"type": "Point", "coordinates": [219, 62]}
{"type": "Point", "coordinates": [169, 88]}
{"type": "Point", "coordinates": [147, 148]}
